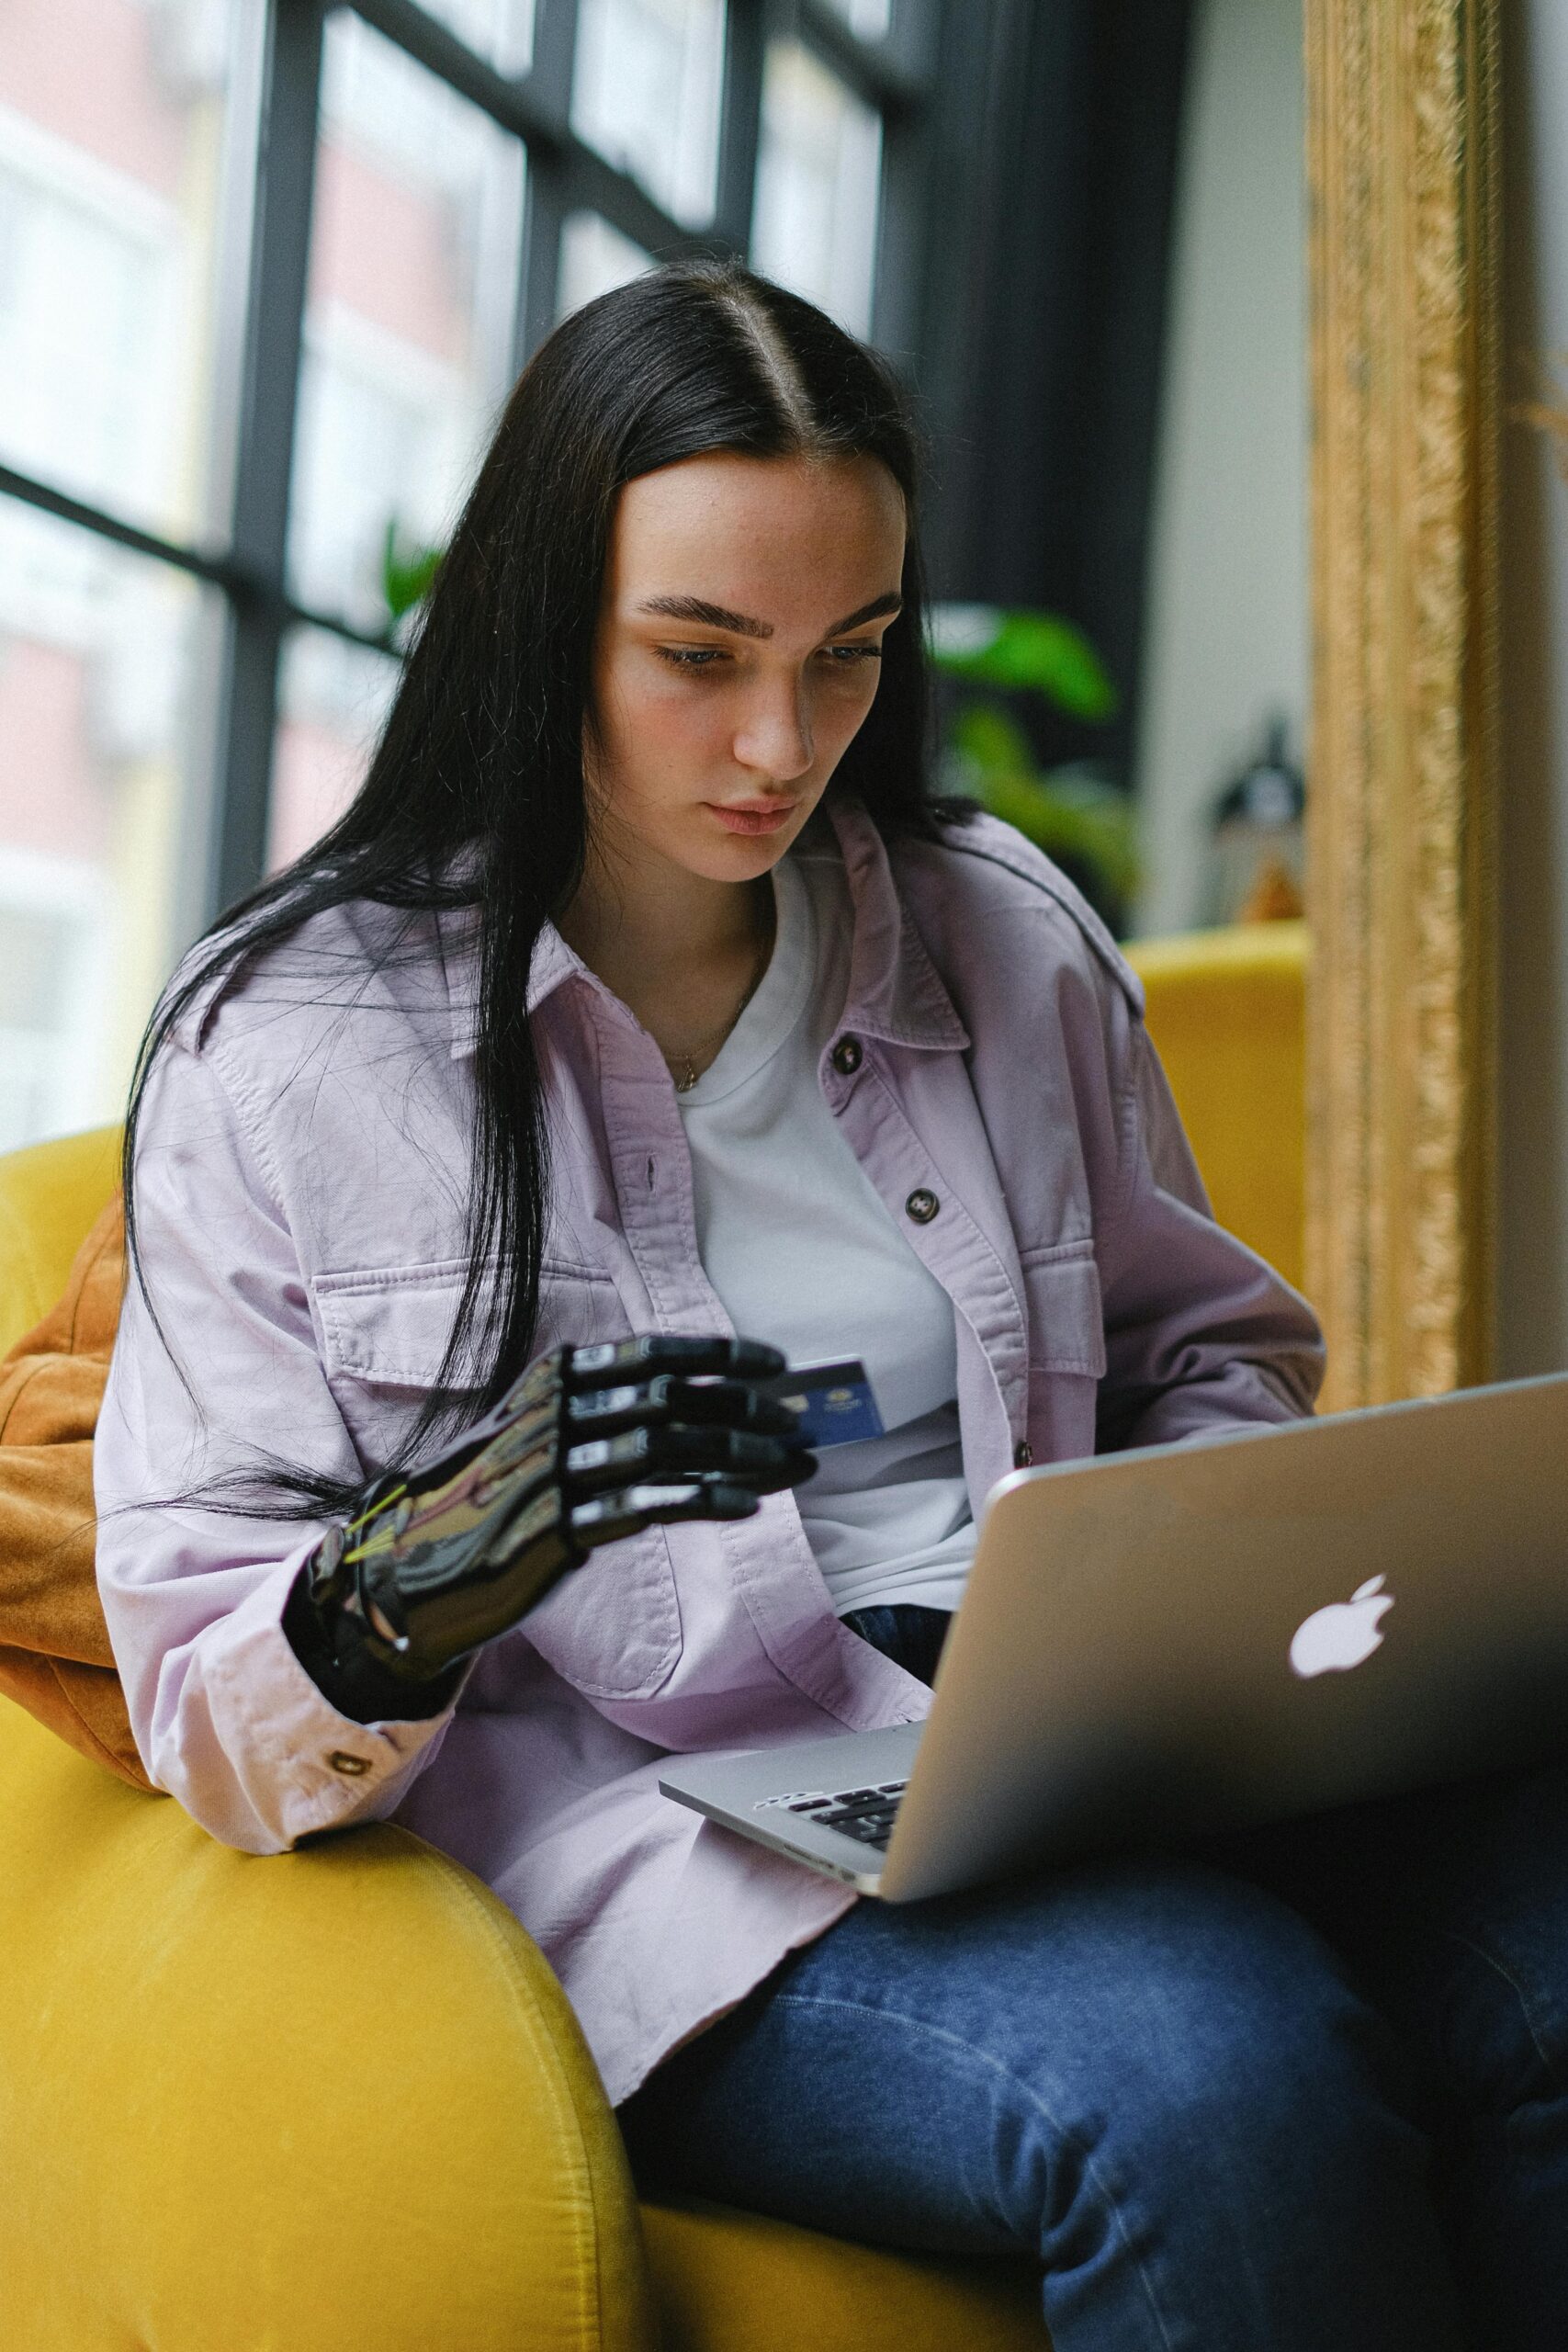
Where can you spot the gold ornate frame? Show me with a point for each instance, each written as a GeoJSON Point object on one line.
{"type": "Point", "coordinates": [1402, 163]}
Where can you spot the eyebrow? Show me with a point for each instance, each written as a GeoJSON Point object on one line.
{"type": "Point", "coordinates": [706, 616]}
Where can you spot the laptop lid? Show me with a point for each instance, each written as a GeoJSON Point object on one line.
{"type": "Point", "coordinates": [1191, 1637]}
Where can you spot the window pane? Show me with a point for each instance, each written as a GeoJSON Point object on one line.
{"type": "Point", "coordinates": [115, 233]}
{"type": "Point", "coordinates": [102, 801]}
{"type": "Point", "coordinates": [501, 30]}
{"type": "Point", "coordinates": [818, 167]}
{"type": "Point", "coordinates": [646, 90]}
{"type": "Point", "coordinates": [871, 20]}
{"type": "Point", "coordinates": [594, 258]}
{"type": "Point", "coordinates": [333, 703]}
{"type": "Point", "coordinates": [408, 320]}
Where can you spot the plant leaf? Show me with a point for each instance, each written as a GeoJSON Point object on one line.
{"type": "Point", "coordinates": [407, 573]}
{"type": "Point", "coordinates": [1038, 652]}
{"type": "Point", "coordinates": [988, 737]}
{"type": "Point", "coordinates": [1101, 837]}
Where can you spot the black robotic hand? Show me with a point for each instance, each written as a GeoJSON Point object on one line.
{"type": "Point", "coordinates": [591, 1443]}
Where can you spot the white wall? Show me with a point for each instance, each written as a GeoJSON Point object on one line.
{"type": "Point", "coordinates": [1533, 1255]}
{"type": "Point", "coordinates": [1227, 639]}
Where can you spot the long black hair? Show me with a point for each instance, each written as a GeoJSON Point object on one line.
{"type": "Point", "coordinates": [475, 797]}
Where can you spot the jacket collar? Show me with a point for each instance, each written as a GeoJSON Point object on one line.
{"type": "Point", "coordinates": [895, 993]}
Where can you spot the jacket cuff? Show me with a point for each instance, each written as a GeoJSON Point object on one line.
{"type": "Point", "coordinates": [301, 1766]}
{"type": "Point", "coordinates": [349, 1677]}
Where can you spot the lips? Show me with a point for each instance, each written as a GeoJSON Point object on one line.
{"type": "Point", "coordinates": [753, 817]}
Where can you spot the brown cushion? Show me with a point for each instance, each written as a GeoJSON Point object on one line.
{"type": "Point", "coordinates": [54, 1647]}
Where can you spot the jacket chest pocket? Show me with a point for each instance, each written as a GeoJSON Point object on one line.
{"type": "Point", "coordinates": [386, 1330]}
{"type": "Point", "coordinates": [614, 1629]}
{"type": "Point", "coordinates": [1067, 1348]}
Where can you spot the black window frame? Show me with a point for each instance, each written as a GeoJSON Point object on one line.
{"type": "Point", "coordinates": [247, 563]}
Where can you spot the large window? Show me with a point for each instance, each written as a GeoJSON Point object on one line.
{"type": "Point", "coordinates": [266, 269]}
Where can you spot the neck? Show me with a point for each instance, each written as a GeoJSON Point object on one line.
{"type": "Point", "coordinates": [642, 932]}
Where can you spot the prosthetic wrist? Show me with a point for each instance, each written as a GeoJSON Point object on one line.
{"type": "Point", "coordinates": [589, 1445]}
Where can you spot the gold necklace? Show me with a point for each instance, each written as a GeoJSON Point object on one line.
{"type": "Point", "coordinates": [683, 1067]}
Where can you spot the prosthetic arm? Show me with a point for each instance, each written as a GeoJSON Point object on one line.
{"type": "Point", "coordinates": [590, 1444]}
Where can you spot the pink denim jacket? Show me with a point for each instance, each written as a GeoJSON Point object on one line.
{"type": "Point", "coordinates": [300, 1197]}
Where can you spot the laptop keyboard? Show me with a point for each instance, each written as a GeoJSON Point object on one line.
{"type": "Point", "coordinates": [865, 1814]}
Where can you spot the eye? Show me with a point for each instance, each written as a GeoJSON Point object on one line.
{"type": "Point", "coordinates": [691, 657]}
{"type": "Point", "coordinates": [847, 657]}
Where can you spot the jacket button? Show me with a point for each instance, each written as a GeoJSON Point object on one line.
{"type": "Point", "coordinates": [846, 1057]}
{"type": "Point", "coordinates": [921, 1205]}
{"type": "Point", "coordinates": [1022, 1455]}
{"type": "Point", "coordinates": [351, 1767]}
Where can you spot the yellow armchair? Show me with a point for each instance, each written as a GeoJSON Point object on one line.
{"type": "Point", "coordinates": [1227, 1011]}
{"type": "Point", "coordinates": [196, 2158]}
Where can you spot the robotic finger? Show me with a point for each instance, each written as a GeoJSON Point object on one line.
{"type": "Point", "coordinates": [615, 1363]}
{"type": "Point", "coordinates": [763, 1464]}
{"type": "Point", "coordinates": [631, 1508]}
{"type": "Point", "coordinates": [730, 1403]}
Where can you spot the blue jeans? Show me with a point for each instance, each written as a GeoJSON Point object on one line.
{"type": "Point", "coordinates": [1304, 2090]}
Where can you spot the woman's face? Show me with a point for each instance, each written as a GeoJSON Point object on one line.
{"type": "Point", "coordinates": [744, 605]}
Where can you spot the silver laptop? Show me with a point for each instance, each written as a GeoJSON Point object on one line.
{"type": "Point", "coordinates": [1189, 1638]}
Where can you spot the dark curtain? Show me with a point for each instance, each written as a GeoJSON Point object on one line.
{"type": "Point", "coordinates": [1051, 165]}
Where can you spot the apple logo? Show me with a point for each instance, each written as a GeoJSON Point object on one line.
{"type": "Point", "coordinates": [1343, 1635]}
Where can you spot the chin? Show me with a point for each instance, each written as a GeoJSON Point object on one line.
{"type": "Point", "coordinates": [736, 861]}
{"type": "Point", "coordinates": [707, 849]}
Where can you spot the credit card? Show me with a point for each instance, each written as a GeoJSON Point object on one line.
{"type": "Point", "coordinates": [834, 1401]}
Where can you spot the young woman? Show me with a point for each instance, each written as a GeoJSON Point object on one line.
{"type": "Point", "coordinates": [644, 990]}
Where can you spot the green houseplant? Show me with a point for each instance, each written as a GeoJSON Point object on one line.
{"type": "Point", "coordinates": [1072, 813]}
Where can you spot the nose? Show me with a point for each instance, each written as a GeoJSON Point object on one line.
{"type": "Point", "coordinates": [775, 738]}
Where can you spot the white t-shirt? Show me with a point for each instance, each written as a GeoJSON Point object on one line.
{"type": "Point", "coordinates": [805, 1254]}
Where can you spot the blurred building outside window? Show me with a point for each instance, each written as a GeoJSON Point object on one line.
{"type": "Point", "coordinates": [99, 701]}
{"type": "Point", "coordinates": [595, 259]}
{"type": "Point", "coordinates": [53, 972]}
{"type": "Point", "coordinates": [871, 20]}
{"type": "Point", "coordinates": [819, 165]}
{"type": "Point", "coordinates": [646, 84]}
{"type": "Point", "coordinates": [410, 315]}
{"type": "Point", "coordinates": [89, 329]}
{"type": "Point", "coordinates": [410, 323]}
{"type": "Point", "coordinates": [501, 30]}
{"type": "Point", "coordinates": [117, 223]}
{"type": "Point", "coordinates": [333, 701]}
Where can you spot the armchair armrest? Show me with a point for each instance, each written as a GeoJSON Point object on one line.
{"type": "Point", "coordinates": [1227, 1012]}
{"type": "Point", "coordinates": [332, 2100]}
{"type": "Point", "coordinates": [49, 1194]}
